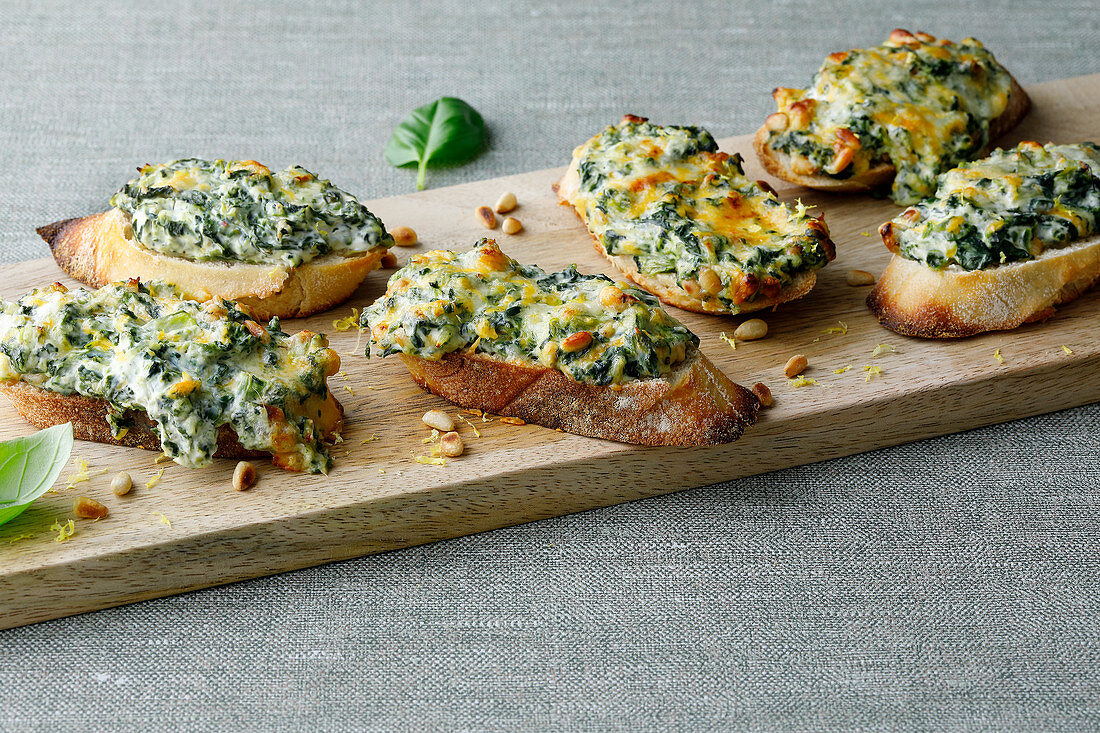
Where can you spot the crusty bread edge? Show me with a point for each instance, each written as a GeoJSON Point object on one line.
{"type": "Point", "coordinates": [694, 405]}
{"type": "Point", "coordinates": [915, 300]}
{"type": "Point", "coordinates": [96, 251]}
{"type": "Point", "coordinates": [778, 163]}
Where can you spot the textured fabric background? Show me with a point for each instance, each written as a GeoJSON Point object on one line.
{"type": "Point", "coordinates": [948, 584]}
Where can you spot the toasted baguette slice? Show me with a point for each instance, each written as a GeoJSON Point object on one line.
{"type": "Point", "coordinates": [100, 249]}
{"type": "Point", "coordinates": [781, 165]}
{"type": "Point", "coordinates": [696, 404]}
{"type": "Point", "coordinates": [912, 299]}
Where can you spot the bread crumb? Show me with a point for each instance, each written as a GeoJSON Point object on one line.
{"type": "Point", "coordinates": [883, 349]}
{"type": "Point", "coordinates": [997, 355]}
{"type": "Point", "coordinates": [871, 372]}
{"type": "Point", "coordinates": [1067, 349]}
{"type": "Point", "coordinates": [64, 531]}
{"type": "Point", "coordinates": [801, 381]}
{"type": "Point", "coordinates": [728, 340]}
{"type": "Point", "coordinates": [155, 480]}
{"type": "Point", "coordinates": [842, 369]}
{"type": "Point", "coordinates": [841, 327]}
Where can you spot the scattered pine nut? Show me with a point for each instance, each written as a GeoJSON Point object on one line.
{"type": "Point", "coordinates": [856, 278]}
{"type": "Point", "coordinates": [576, 341]}
{"type": "Point", "coordinates": [404, 237]}
{"type": "Point", "coordinates": [486, 216]}
{"type": "Point", "coordinates": [763, 394]}
{"type": "Point", "coordinates": [512, 421]}
{"type": "Point", "coordinates": [752, 329]}
{"type": "Point", "coordinates": [388, 261]}
{"type": "Point", "coordinates": [505, 203]}
{"type": "Point", "coordinates": [121, 484]}
{"type": "Point", "coordinates": [451, 445]}
{"type": "Point", "coordinates": [86, 508]}
{"type": "Point", "coordinates": [244, 475]}
{"type": "Point", "coordinates": [439, 420]}
{"type": "Point", "coordinates": [512, 225]}
{"type": "Point", "coordinates": [795, 366]}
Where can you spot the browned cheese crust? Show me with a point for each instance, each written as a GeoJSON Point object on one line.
{"type": "Point", "coordinates": [912, 299]}
{"type": "Point", "coordinates": [694, 405]}
{"type": "Point", "coordinates": [778, 163]}
{"type": "Point", "coordinates": [98, 250]}
{"type": "Point", "coordinates": [44, 409]}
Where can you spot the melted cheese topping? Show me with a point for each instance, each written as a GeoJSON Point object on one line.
{"type": "Point", "coordinates": [918, 103]}
{"type": "Point", "coordinates": [240, 211]}
{"type": "Point", "coordinates": [192, 368]}
{"type": "Point", "coordinates": [1008, 207]}
{"type": "Point", "coordinates": [665, 197]}
{"type": "Point", "coordinates": [587, 326]}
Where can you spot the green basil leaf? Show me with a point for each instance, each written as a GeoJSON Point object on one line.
{"type": "Point", "coordinates": [29, 466]}
{"type": "Point", "coordinates": [448, 131]}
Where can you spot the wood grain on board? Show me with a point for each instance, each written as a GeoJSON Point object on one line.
{"type": "Point", "coordinates": [191, 529]}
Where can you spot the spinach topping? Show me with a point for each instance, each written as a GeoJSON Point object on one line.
{"type": "Point", "coordinates": [589, 327]}
{"type": "Point", "coordinates": [1009, 207]}
{"type": "Point", "coordinates": [240, 211]}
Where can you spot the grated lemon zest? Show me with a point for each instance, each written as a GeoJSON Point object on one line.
{"type": "Point", "coordinates": [381, 470]}
{"type": "Point", "coordinates": [800, 208]}
{"type": "Point", "coordinates": [997, 355]}
{"type": "Point", "coordinates": [64, 531]}
{"type": "Point", "coordinates": [349, 389]}
{"type": "Point", "coordinates": [161, 458]}
{"type": "Point", "coordinates": [871, 371]}
{"type": "Point", "coordinates": [801, 381]}
{"type": "Point", "coordinates": [1067, 349]}
{"type": "Point", "coordinates": [13, 540]}
{"type": "Point", "coordinates": [842, 369]}
{"type": "Point", "coordinates": [883, 349]}
{"type": "Point", "coordinates": [371, 439]}
{"type": "Point", "coordinates": [431, 438]}
{"type": "Point", "coordinates": [841, 328]}
{"type": "Point", "coordinates": [864, 234]}
{"type": "Point", "coordinates": [164, 519]}
{"type": "Point", "coordinates": [347, 323]}
{"type": "Point", "coordinates": [430, 461]}
{"type": "Point", "coordinates": [81, 473]}
{"type": "Point", "coordinates": [728, 340]}
{"type": "Point", "coordinates": [478, 434]}
{"type": "Point", "coordinates": [155, 480]}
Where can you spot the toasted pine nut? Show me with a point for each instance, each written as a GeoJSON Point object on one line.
{"type": "Point", "coordinates": [388, 261]}
{"type": "Point", "coordinates": [902, 36]}
{"type": "Point", "coordinates": [512, 421]}
{"type": "Point", "coordinates": [244, 475]}
{"type": "Point", "coordinates": [611, 296]}
{"type": "Point", "coordinates": [752, 329]}
{"type": "Point", "coordinates": [925, 37]}
{"type": "Point", "coordinates": [439, 420]}
{"type": "Point", "coordinates": [512, 225]}
{"type": "Point", "coordinates": [763, 394]}
{"type": "Point", "coordinates": [860, 277]}
{"type": "Point", "coordinates": [910, 215]}
{"type": "Point", "coordinates": [710, 281]}
{"type": "Point", "coordinates": [795, 365]}
{"type": "Point", "coordinates": [403, 236]}
{"type": "Point", "coordinates": [505, 203]}
{"type": "Point", "coordinates": [576, 341]}
{"type": "Point", "coordinates": [801, 112]}
{"type": "Point", "coordinates": [121, 484]}
{"type": "Point", "coordinates": [486, 216]}
{"type": "Point", "coordinates": [776, 122]}
{"type": "Point", "coordinates": [86, 508]}
{"type": "Point", "coordinates": [451, 445]}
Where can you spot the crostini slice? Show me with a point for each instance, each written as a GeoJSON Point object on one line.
{"type": "Point", "coordinates": [565, 350]}
{"type": "Point", "coordinates": [1003, 241]}
{"type": "Point", "coordinates": [902, 112]}
{"type": "Point", "coordinates": [133, 364]}
{"type": "Point", "coordinates": [682, 221]}
{"type": "Point", "coordinates": [284, 244]}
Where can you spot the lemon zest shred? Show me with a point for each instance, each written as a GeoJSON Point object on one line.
{"type": "Point", "coordinates": [1067, 349]}
{"type": "Point", "coordinates": [347, 323]}
{"type": "Point", "coordinates": [476, 432]}
{"type": "Point", "coordinates": [155, 480]}
{"type": "Point", "coordinates": [871, 371]}
{"type": "Point", "coordinates": [64, 531]}
{"type": "Point", "coordinates": [161, 458]}
{"type": "Point", "coordinates": [801, 381]}
{"type": "Point", "coordinates": [348, 388]}
{"type": "Point", "coordinates": [164, 519]}
{"type": "Point", "coordinates": [381, 470]}
{"type": "Point", "coordinates": [842, 369]}
{"type": "Point", "coordinates": [883, 349]}
{"type": "Point", "coordinates": [731, 341]}
{"type": "Point", "coordinates": [841, 328]}
{"type": "Point", "coordinates": [997, 355]}
{"type": "Point", "coordinates": [800, 208]}
{"type": "Point", "coordinates": [371, 439]}
{"type": "Point", "coordinates": [431, 438]}
{"type": "Point", "coordinates": [864, 234]}
{"type": "Point", "coordinates": [13, 540]}
{"type": "Point", "coordinates": [431, 461]}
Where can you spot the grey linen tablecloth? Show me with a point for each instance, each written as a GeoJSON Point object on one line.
{"type": "Point", "coordinates": [948, 584]}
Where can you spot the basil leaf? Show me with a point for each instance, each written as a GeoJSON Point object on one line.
{"type": "Point", "coordinates": [447, 131]}
{"type": "Point", "coordinates": [30, 465]}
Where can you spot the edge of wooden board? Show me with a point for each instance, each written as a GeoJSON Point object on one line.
{"type": "Point", "coordinates": [466, 503]}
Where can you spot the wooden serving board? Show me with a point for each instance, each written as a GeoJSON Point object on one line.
{"type": "Point", "coordinates": [192, 530]}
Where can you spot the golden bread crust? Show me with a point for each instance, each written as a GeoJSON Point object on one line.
{"type": "Point", "coordinates": [778, 163]}
{"type": "Point", "coordinates": [695, 405]}
{"type": "Point", "coordinates": [912, 299]}
{"type": "Point", "coordinates": [96, 250]}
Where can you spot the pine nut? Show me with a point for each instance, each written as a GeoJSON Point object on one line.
{"type": "Point", "coordinates": [505, 203]}
{"type": "Point", "coordinates": [576, 341]}
{"type": "Point", "coordinates": [512, 225]}
{"type": "Point", "coordinates": [763, 394]}
{"type": "Point", "coordinates": [86, 508]}
{"type": "Point", "coordinates": [388, 261]}
{"type": "Point", "coordinates": [121, 484]}
{"type": "Point", "coordinates": [752, 329]}
{"type": "Point", "coordinates": [776, 122]}
{"type": "Point", "coordinates": [795, 366]}
{"type": "Point", "coordinates": [860, 277]}
{"type": "Point", "coordinates": [439, 420]}
{"type": "Point", "coordinates": [710, 281]}
{"type": "Point", "coordinates": [403, 237]}
{"type": "Point", "coordinates": [451, 445]}
{"type": "Point", "coordinates": [244, 475]}
{"type": "Point", "coordinates": [486, 216]}
{"type": "Point", "coordinates": [512, 421]}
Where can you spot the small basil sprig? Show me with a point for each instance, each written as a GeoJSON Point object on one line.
{"type": "Point", "coordinates": [446, 132]}
{"type": "Point", "coordinates": [30, 465]}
